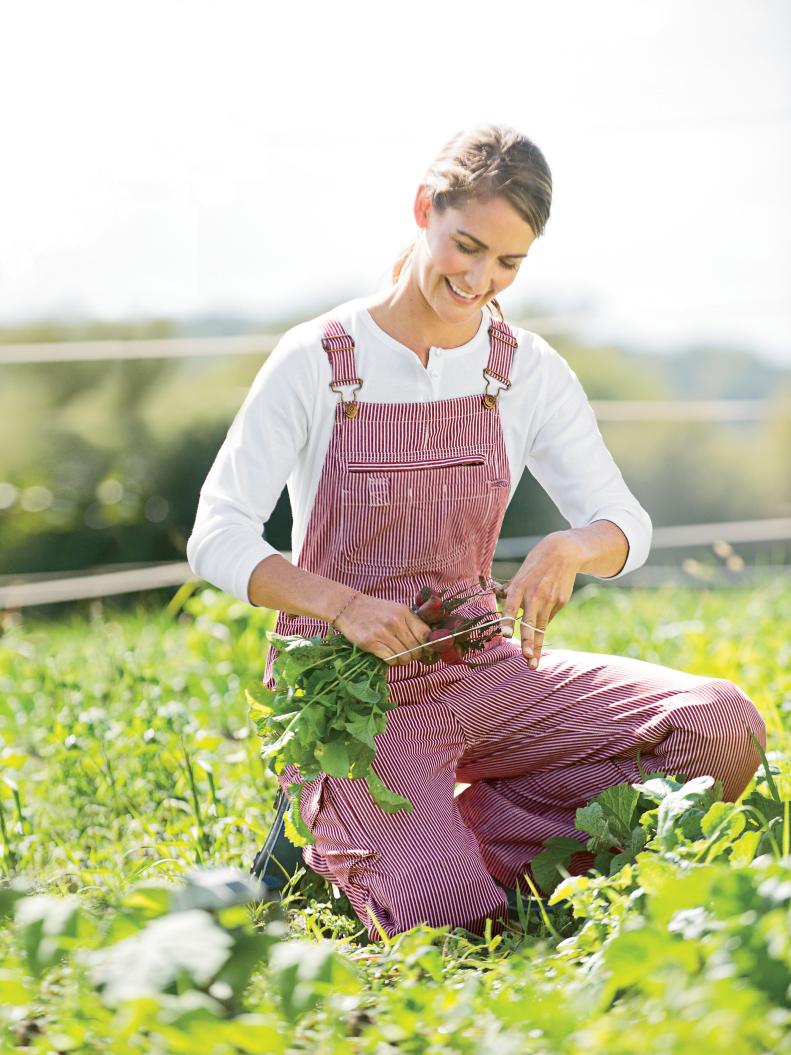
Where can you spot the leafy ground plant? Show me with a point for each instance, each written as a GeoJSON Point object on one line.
{"type": "Point", "coordinates": [330, 701]}
{"type": "Point", "coordinates": [128, 763]}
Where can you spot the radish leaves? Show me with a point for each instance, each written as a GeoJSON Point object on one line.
{"type": "Point", "coordinates": [330, 701]}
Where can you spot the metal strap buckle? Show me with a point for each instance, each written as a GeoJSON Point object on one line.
{"type": "Point", "coordinates": [502, 334]}
{"type": "Point", "coordinates": [340, 342]}
{"type": "Point", "coordinates": [489, 400]}
{"type": "Point", "coordinates": [349, 406]}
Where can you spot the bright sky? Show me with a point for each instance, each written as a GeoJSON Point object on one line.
{"type": "Point", "coordinates": [177, 156]}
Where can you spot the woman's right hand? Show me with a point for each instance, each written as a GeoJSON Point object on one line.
{"type": "Point", "coordinates": [383, 628]}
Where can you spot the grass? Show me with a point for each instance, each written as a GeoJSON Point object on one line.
{"type": "Point", "coordinates": [127, 761]}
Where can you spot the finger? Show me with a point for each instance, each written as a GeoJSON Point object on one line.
{"type": "Point", "coordinates": [539, 639]}
{"type": "Point", "coordinates": [500, 589]}
{"type": "Point", "coordinates": [511, 608]}
{"type": "Point", "coordinates": [405, 645]}
{"type": "Point", "coordinates": [533, 638]}
{"type": "Point", "coordinates": [395, 655]}
{"type": "Point", "coordinates": [418, 631]}
{"type": "Point", "coordinates": [386, 651]}
{"type": "Point", "coordinates": [401, 631]}
{"type": "Point", "coordinates": [526, 630]}
{"type": "Point", "coordinates": [539, 634]}
{"type": "Point", "coordinates": [542, 623]}
{"type": "Point", "coordinates": [390, 647]}
{"type": "Point", "coordinates": [538, 643]}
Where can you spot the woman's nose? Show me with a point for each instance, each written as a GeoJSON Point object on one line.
{"type": "Point", "coordinates": [479, 278]}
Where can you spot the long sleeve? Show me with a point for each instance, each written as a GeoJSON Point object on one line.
{"type": "Point", "coordinates": [569, 458]}
{"type": "Point", "coordinates": [250, 471]}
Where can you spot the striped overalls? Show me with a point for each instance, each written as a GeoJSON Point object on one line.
{"type": "Point", "coordinates": [413, 495]}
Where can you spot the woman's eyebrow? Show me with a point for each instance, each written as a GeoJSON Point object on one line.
{"type": "Point", "coordinates": [481, 244]}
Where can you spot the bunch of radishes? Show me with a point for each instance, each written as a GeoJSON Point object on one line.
{"type": "Point", "coordinates": [438, 609]}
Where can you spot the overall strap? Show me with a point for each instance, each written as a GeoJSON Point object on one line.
{"type": "Point", "coordinates": [502, 343]}
{"type": "Point", "coordinates": [339, 346]}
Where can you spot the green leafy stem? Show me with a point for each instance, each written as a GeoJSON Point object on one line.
{"type": "Point", "coordinates": [330, 702]}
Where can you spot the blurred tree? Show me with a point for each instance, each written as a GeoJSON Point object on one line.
{"type": "Point", "coordinates": [102, 462]}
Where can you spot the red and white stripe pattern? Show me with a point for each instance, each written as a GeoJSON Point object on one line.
{"type": "Point", "coordinates": [414, 495]}
{"type": "Point", "coordinates": [339, 346]}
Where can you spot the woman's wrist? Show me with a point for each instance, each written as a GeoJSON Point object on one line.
{"type": "Point", "coordinates": [278, 584]}
{"type": "Point", "coordinates": [601, 548]}
{"type": "Point", "coordinates": [354, 594]}
{"type": "Point", "coordinates": [569, 546]}
{"type": "Point", "coordinates": [335, 600]}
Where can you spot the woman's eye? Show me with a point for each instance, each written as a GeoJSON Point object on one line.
{"type": "Point", "coordinates": [466, 249]}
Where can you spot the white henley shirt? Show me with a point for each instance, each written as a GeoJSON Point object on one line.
{"type": "Point", "coordinates": [280, 435]}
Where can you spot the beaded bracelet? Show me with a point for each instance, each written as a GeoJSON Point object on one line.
{"type": "Point", "coordinates": [337, 617]}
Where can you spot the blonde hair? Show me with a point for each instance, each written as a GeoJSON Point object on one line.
{"type": "Point", "coordinates": [481, 163]}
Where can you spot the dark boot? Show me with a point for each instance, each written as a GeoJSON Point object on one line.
{"type": "Point", "coordinates": [278, 858]}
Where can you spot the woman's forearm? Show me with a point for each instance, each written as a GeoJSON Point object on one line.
{"type": "Point", "coordinates": [602, 547]}
{"type": "Point", "coordinates": [278, 584]}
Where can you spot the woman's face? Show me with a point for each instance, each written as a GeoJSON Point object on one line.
{"type": "Point", "coordinates": [476, 248]}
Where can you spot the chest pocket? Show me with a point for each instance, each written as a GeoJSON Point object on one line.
{"type": "Point", "coordinates": [423, 512]}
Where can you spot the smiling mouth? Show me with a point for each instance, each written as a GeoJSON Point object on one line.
{"type": "Point", "coordinates": [461, 294]}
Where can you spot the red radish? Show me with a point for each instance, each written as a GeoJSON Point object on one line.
{"type": "Point", "coordinates": [456, 622]}
{"type": "Point", "coordinates": [446, 647]}
{"type": "Point", "coordinates": [426, 594]}
{"type": "Point", "coordinates": [439, 638]}
{"type": "Point", "coordinates": [431, 611]}
{"type": "Point", "coordinates": [430, 653]}
{"type": "Point", "coordinates": [438, 608]}
{"type": "Point", "coordinates": [453, 656]}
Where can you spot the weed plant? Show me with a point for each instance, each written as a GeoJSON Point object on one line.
{"type": "Point", "coordinates": [133, 799]}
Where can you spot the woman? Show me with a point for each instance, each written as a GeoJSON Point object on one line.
{"type": "Point", "coordinates": [401, 424]}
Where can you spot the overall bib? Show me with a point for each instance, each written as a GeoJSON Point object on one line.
{"type": "Point", "coordinates": [414, 495]}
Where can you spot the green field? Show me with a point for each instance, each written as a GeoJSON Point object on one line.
{"type": "Point", "coordinates": [130, 775]}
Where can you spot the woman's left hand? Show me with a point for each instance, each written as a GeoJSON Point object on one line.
{"type": "Point", "coordinates": [541, 587]}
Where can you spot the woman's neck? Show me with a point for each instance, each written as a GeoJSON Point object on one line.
{"type": "Point", "coordinates": [403, 313]}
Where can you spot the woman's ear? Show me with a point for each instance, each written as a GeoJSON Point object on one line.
{"type": "Point", "coordinates": [422, 206]}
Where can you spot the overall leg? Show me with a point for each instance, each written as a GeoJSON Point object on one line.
{"type": "Point", "coordinates": [547, 741]}
{"type": "Point", "coordinates": [407, 868]}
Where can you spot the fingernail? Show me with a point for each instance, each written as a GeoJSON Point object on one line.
{"type": "Point", "coordinates": [527, 653]}
{"type": "Point", "coordinates": [508, 631]}
{"type": "Point", "coordinates": [533, 663]}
